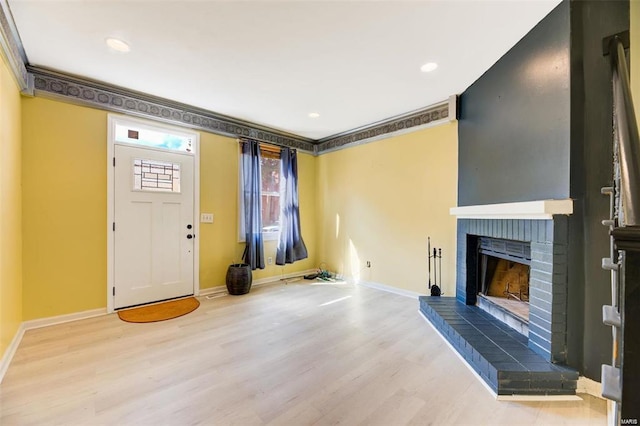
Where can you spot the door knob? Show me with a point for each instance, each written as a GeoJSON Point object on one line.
{"type": "Point", "coordinates": [189, 226]}
{"type": "Point", "coordinates": [189, 236]}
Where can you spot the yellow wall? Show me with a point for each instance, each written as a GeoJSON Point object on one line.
{"type": "Point", "coordinates": [388, 195]}
{"type": "Point", "coordinates": [64, 208]}
{"type": "Point", "coordinates": [10, 209]}
{"type": "Point", "coordinates": [378, 202]}
{"type": "Point", "coordinates": [65, 205]}
{"type": "Point", "coordinates": [218, 193]}
{"type": "Point", "coordinates": [219, 246]}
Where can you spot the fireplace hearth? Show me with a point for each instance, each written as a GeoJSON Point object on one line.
{"type": "Point", "coordinates": [499, 354]}
{"type": "Point", "coordinates": [543, 245]}
{"type": "Point", "coordinates": [509, 316]}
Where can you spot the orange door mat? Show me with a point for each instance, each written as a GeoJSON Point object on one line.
{"type": "Point", "coordinates": [161, 311]}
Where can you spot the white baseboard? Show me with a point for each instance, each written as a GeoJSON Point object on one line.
{"type": "Point", "coordinates": [61, 319]}
{"type": "Point", "coordinates": [11, 351]}
{"type": "Point", "coordinates": [590, 387]}
{"type": "Point", "coordinates": [283, 277]}
{"type": "Point", "coordinates": [221, 290]}
{"type": "Point", "coordinates": [38, 323]}
{"type": "Point", "coordinates": [390, 289]}
{"type": "Point", "coordinates": [612, 414]}
{"type": "Point", "coordinates": [213, 291]}
{"type": "Point", "coordinates": [541, 398]}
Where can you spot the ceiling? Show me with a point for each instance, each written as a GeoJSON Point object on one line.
{"type": "Point", "coordinates": [274, 62]}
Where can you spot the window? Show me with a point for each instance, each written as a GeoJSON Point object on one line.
{"type": "Point", "coordinates": [270, 193]}
{"type": "Point", "coordinates": [155, 176]}
{"type": "Point", "coordinates": [139, 134]}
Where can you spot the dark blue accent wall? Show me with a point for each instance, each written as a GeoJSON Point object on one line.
{"type": "Point", "coordinates": [514, 121]}
{"type": "Point", "coordinates": [592, 158]}
{"type": "Point", "coordinates": [537, 125]}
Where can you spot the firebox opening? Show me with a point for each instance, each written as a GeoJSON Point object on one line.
{"type": "Point", "coordinates": [503, 280]}
{"type": "Point", "coordinates": [506, 284]}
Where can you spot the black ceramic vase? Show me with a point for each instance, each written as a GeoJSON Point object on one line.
{"type": "Point", "coordinates": [239, 279]}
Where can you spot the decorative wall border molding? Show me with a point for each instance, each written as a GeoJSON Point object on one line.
{"type": "Point", "coordinates": [48, 83]}
{"type": "Point", "coordinates": [11, 47]}
{"type": "Point", "coordinates": [82, 91]}
{"type": "Point", "coordinates": [411, 121]}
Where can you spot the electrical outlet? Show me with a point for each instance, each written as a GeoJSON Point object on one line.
{"type": "Point", "coordinates": [206, 218]}
{"type": "Point", "coordinates": [269, 260]}
{"type": "Point", "coordinates": [368, 264]}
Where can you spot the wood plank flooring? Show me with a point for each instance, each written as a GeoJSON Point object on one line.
{"type": "Point", "coordinates": [284, 354]}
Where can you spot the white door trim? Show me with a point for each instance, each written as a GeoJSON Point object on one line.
{"type": "Point", "coordinates": [112, 119]}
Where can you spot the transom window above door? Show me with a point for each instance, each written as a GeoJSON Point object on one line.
{"type": "Point", "coordinates": [139, 134]}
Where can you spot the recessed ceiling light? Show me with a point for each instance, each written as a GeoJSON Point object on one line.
{"type": "Point", "coordinates": [314, 115]}
{"type": "Point", "coordinates": [428, 67]}
{"type": "Point", "coordinates": [117, 45]}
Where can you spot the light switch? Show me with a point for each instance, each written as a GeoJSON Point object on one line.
{"type": "Point", "coordinates": [206, 218]}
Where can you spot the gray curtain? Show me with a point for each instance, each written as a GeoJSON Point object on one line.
{"type": "Point", "coordinates": [251, 182]}
{"type": "Point", "coordinates": [291, 246]}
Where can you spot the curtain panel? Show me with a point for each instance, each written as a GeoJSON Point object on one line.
{"type": "Point", "coordinates": [252, 203]}
{"type": "Point", "coordinates": [291, 247]}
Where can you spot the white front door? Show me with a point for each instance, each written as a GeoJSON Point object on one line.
{"type": "Point", "coordinates": [153, 225]}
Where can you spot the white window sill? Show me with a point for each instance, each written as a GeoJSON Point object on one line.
{"type": "Point", "coordinates": [266, 236]}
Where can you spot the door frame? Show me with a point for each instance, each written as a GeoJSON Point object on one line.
{"type": "Point", "coordinates": [112, 120]}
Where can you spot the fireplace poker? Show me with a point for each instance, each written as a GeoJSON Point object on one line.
{"type": "Point", "coordinates": [440, 265]}
{"type": "Point", "coordinates": [435, 266]}
{"type": "Point", "coordinates": [429, 256]}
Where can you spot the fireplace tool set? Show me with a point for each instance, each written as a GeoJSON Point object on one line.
{"type": "Point", "coordinates": [437, 266]}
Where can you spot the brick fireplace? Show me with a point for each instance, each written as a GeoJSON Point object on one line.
{"type": "Point", "coordinates": [535, 126]}
{"type": "Point", "coordinates": [535, 235]}
{"type": "Point", "coordinates": [548, 274]}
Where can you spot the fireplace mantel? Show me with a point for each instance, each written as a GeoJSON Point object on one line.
{"type": "Point", "coordinates": [541, 210]}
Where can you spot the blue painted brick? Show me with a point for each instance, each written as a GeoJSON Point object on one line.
{"type": "Point", "coordinates": [548, 273]}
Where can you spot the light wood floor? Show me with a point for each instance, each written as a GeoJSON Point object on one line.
{"type": "Point", "coordinates": [295, 354]}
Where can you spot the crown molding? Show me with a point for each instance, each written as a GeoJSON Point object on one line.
{"type": "Point", "coordinates": [83, 91]}
{"type": "Point", "coordinates": [11, 48]}
{"type": "Point", "coordinates": [409, 122]}
{"type": "Point", "coordinates": [79, 90]}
